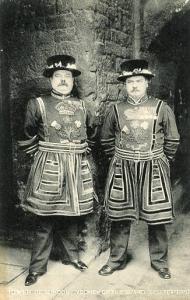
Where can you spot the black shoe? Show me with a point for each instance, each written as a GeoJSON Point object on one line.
{"type": "Point", "coordinates": [79, 265]}
{"type": "Point", "coordinates": [107, 270]}
{"type": "Point", "coordinates": [164, 273]}
{"type": "Point", "coordinates": [31, 278]}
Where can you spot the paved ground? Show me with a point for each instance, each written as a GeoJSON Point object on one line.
{"type": "Point", "coordinates": [137, 281]}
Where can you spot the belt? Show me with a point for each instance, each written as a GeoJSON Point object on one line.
{"type": "Point", "coordinates": [138, 155]}
{"type": "Point", "coordinates": [68, 147]}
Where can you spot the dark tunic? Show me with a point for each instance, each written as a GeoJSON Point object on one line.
{"type": "Point", "coordinates": [60, 180]}
{"type": "Point", "coordinates": [142, 137]}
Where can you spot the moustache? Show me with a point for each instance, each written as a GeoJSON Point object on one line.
{"type": "Point", "coordinates": [63, 84]}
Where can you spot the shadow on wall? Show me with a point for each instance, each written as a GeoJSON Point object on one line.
{"type": "Point", "coordinates": [172, 46]}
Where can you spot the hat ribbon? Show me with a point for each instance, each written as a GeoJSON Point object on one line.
{"type": "Point", "coordinates": [136, 72]}
{"type": "Point", "coordinates": [59, 64]}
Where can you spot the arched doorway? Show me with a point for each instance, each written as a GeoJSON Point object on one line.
{"type": "Point", "coordinates": [170, 51]}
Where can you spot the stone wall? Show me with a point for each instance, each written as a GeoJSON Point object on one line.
{"type": "Point", "coordinates": [165, 42]}
{"type": "Point", "coordinates": [98, 33]}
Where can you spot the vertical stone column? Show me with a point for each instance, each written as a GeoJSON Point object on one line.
{"type": "Point", "coordinates": [137, 28]}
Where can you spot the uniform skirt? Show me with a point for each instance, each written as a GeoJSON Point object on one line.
{"type": "Point", "coordinates": [139, 190]}
{"type": "Point", "coordinates": [60, 182]}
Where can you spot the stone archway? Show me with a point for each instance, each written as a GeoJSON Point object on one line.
{"type": "Point", "coordinates": [167, 44]}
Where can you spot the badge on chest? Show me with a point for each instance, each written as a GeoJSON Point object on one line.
{"type": "Point", "coordinates": [66, 108]}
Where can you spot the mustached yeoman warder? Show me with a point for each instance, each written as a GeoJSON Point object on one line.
{"type": "Point", "coordinates": [140, 138]}
{"type": "Point", "coordinates": [59, 133]}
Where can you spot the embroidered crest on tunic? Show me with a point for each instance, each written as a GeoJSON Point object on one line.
{"type": "Point", "coordinates": [69, 123]}
{"type": "Point", "coordinates": [136, 126]}
{"type": "Point", "coordinates": [140, 113]}
{"type": "Point", "coordinates": [66, 108]}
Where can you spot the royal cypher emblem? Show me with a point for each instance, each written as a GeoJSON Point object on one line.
{"type": "Point", "coordinates": [65, 108]}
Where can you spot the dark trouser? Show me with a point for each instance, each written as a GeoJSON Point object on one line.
{"type": "Point", "coordinates": [66, 229]}
{"type": "Point", "coordinates": [119, 237]}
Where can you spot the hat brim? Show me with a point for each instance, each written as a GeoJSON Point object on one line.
{"type": "Point", "coordinates": [122, 78]}
{"type": "Point", "coordinates": [49, 72]}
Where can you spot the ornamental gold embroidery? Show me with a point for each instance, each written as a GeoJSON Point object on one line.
{"type": "Point", "coordinates": [140, 113]}
{"type": "Point", "coordinates": [66, 108]}
{"type": "Point", "coordinates": [67, 129]}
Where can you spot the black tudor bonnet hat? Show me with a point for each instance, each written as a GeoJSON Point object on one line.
{"type": "Point", "coordinates": [134, 67]}
{"type": "Point", "coordinates": [61, 62]}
